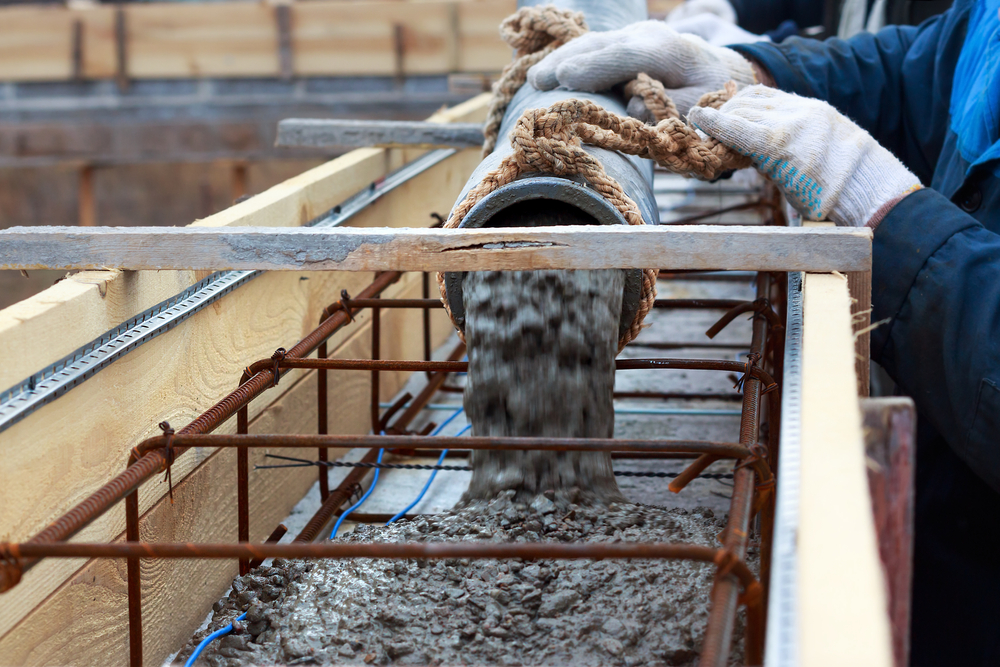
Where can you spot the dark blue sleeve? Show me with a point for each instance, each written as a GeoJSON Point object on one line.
{"type": "Point", "coordinates": [936, 278]}
{"type": "Point", "coordinates": [896, 83]}
{"type": "Point", "coordinates": [760, 16]}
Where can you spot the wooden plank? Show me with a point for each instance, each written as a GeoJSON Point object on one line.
{"type": "Point", "coordinates": [240, 39]}
{"type": "Point", "coordinates": [75, 444]}
{"type": "Point", "coordinates": [177, 595]}
{"type": "Point", "coordinates": [345, 249]}
{"type": "Point", "coordinates": [167, 40]}
{"type": "Point", "coordinates": [890, 426]}
{"type": "Point", "coordinates": [327, 133]}
{"type": "Point", "coordinates": [842, 604]}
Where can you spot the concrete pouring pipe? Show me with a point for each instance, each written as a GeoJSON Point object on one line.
{"type": "Point", "coordinates": [546, 200]}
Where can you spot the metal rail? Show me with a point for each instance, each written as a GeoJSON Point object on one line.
{"type": "Point", "coordinates": [53, 381]}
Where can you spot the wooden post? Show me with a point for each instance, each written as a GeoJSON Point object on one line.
{"type": "Point", "coordinates": [76, 50]}
{"type": "Point", "coordinates": [399, 52]}
{"type": "Point", "coordinates": [239, 180]}
{"type": "Point", "coordinates": [121, 49]}
{"type": "Point", "coordinates": [283, 21]}
{"type": "Point", "coordinates": [86, 214]}
{"type": "Point", "coordinates": [454, 38]}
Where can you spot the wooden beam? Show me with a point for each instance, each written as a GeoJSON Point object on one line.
{"type": "Point", "coordinates": [842, 605]}
{"type": "Point", "coordinates": [316, 133]}
{"type": "Point", "coordinates": [381, 249]}
{"type": "Point", "coordinates": [245, 39]}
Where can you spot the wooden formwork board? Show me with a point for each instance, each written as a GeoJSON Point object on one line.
{"type": "Point", "coordinates": [58, 455]}
{"type": "Point", "coordinates": [243, 39]}
{"type": "Point", "coordinates": [842, 609]}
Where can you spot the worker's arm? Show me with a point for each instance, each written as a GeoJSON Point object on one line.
{"type": "Point", "coordinates": [895, 84]}
{"type": "Point", "coordinates": [936, 278]}
{"type": "Point", "coordinates": [936, 270]}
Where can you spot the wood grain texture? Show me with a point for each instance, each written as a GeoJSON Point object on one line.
{"type": "Point", "coordinates": [178, 594]}
{"type": "Point", "coordinates": [345, 249]}
{"type": "Point", "coordinates": [241, 39]}
{"type": "Point", "coordinates": [326, 133]}
{"type": "Point", "coordinates": [890, 426]}
{"type": "Point", "coordinates": [842, 605]}
{"type": "Point", "coordinates": [73, 445]}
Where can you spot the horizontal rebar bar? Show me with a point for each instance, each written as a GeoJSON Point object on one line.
{"type": "Point", "coordinates": [391, 550]}
{"type": "Point", "coordinates": [463, 366]}
{"type": "Point", "coordinates": [723, 449]}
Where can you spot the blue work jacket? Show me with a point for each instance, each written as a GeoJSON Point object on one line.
{"type": "Point", "coordinates": [931, 94]}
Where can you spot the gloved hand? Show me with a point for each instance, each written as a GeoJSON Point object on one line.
{"type": "Point", "coordinates": [687, 65]}
{"type": "Point", "coordinates": [716, 31]}
{"type": "Point", "coordinates": [827, 167]}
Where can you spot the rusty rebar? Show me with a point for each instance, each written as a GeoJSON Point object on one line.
{"type": "Point", "coordinates": [390, 550]}
{"type": "Point", "coordinates": [717, 643]}
{"type": "Point", "coordinates": [139, 471]}
{"type": "Point", "coordinates": [438, 442]}
{"type": "Point", "coordinates": [462, 366]}
{"type": "Point", "coordinates": [336, 498]}
{"type": "Point", "coordinates": [134, 584]}
{"type": "Point", "coordinates": [699, 304]}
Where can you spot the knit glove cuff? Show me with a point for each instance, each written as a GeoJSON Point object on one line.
{"type": "Point", "coordinates": [827, 167]}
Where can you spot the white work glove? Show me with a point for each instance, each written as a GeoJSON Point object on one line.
{"type": "Point", "coordinates": [687, 65]}
{"type": "Point", "coordinates": [720, 8]}
{"type": "Point", "coordinates": [716, 31]}
{"type": "Point", "coordinates": [826, 166]}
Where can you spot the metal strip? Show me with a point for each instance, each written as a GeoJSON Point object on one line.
{"type": "Point", "coordinates": [782, 621]}
{"type": "Point", "coordinates": [50, 383]}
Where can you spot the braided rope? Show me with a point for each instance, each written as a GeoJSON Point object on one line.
{"type": "Point", "coordinates": [550, 140]}
{"type": "Point", "coordinates": [534, 32]}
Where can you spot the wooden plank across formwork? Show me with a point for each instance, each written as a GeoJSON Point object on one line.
{"type": "Point", "coordinates": [752, 248]}
{"type": "Point", "coordinates": [242, 39]}
{"type": "Point", "coordinates": [58, 455]}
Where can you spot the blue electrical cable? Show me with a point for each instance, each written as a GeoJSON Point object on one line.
{"type": "Point", "coordinates": [209, 639]}
{"type": "Point", "coordinates": [358, 504]}
{"type": "Point", "coordinates": [434, 473]}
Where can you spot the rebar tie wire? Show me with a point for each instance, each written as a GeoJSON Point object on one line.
{"type": "Point", "coordinates": [168, 434]}
{"type": "Point", "coordinates": [278, 356]}
{"type": "Point", "coordinates": [306, 463]}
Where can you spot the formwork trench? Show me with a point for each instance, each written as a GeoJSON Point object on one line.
{"type": "Point", "coordinates": [542, 611]}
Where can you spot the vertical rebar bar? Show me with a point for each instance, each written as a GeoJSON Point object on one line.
{"type": "Point", "coordinates": [426, 294]}
{"type": "Point", "coordinates": [376, 353]}
{"type": "Point", "coordinates": [722, 617]}
{"type": "Point", "coordinates": [134, 582]}
{"type": "Point", "coordinates": [322, 427]}
{"type": "Point", "coordinates": [243, 485]}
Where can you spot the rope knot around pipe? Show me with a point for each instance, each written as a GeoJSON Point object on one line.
{"type": "Point", "coordinates": [551, 140]}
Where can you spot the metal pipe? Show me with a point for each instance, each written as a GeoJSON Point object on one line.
{"type": "Point", "coordinates": [545, 199]}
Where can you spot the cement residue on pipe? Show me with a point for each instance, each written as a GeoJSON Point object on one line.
{"type": "Point", "coordinates": [485, 612]}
